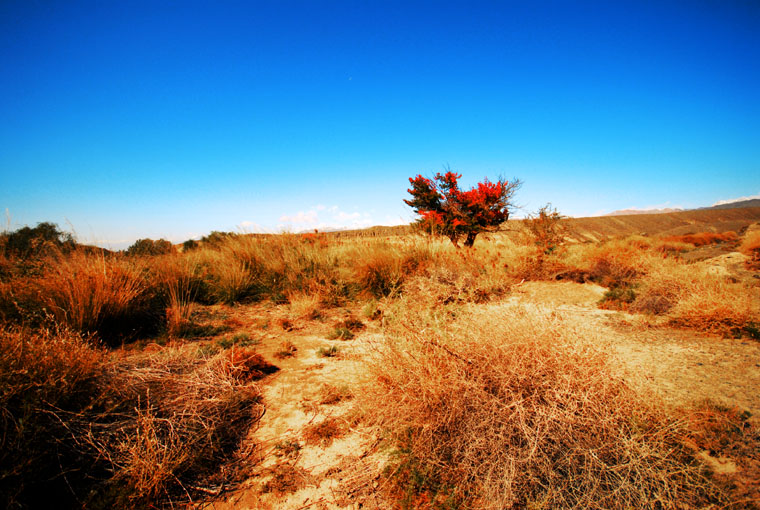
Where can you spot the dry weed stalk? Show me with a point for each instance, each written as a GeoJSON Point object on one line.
{"type": "Point", "coordinates": [516, 407]}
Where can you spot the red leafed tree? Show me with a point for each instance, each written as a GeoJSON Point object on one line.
{"type": "Point", "coordinates": [447, 210]}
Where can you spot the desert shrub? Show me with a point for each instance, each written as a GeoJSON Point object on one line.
{"type": "Point", "coordinates": [190, 244]}
{"type": "Point", "coordinates": [274, 267]}
{"type": "Point", "coordinates": [82, 429]}
{"type": "Point", "coordinates": [516, 407]}
{"type": "Point", "coordinates": [704, 238]}
{"type": "Point", "coordinates": [475, 275]}
{"type": "Point", "coordinates": [618, 263]}
{"type": "Point", "coordinates": [693, 297]}
{"type": "Point", "coordinates": [545, 229]}
{"type": "Point", "coordinates": [35, 242]}
{"type": "Point", "coordinates": [41, 378]}
{"type": "Point", "coordinates": [181, 282]}
{"type": "Point", "coordinates": [751, 247]}
{"type": "Point", "coordinates": [716, 306]}
{"type": "Point", "coordinates": [149, 247]}
{"type": "Point", "coordinates": [93, 294]}
{"type": "Point", "coordinates": [381, 269]}
{"type": "Point", "coordinates": [287, 350]}
{"type": "Point", "coordinates": [618, 297]}
{"type": "Point", "coordinates": [304, 305]}
{"type": "Point", "coordinates": [217, 238]}
{"type": "Point", "coordinates": [340, 333]}
{"type": "Point", "coordinates": [228, 279]}
{"type": "Point", "coordinates": [328, 352]}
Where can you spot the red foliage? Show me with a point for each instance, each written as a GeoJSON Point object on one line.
{"type": "Point", "coordinates": [450, 211]}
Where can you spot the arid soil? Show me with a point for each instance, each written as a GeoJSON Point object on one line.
{"type": "Point", "coordinates": [315, 452]}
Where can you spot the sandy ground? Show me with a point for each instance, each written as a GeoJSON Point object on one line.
{"type": "Point", "coordinates": [684, 367]}
{"type": "Point", "coordinates": [315, 452]}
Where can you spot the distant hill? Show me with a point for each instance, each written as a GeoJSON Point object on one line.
{"type": "Point", "coordinates": [754, 202]}
{"type": "Point", "coordinates": [714, 219]}
{"type": "Point", "coordinates": [627, 212]}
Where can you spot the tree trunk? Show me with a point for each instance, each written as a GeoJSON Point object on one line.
{"type": "Point", "coordinates": [470, 239]}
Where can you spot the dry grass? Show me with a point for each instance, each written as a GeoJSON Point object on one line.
{"type": "Point", "coordinates": [750, 246]}
{"type": "Point", "coordinates": [520, 408]}
{"type": "Point", "coordinates": [110, 296]}
{"type": "Point", "coordinates": [97, 431]}
{"type": "Point", "coordinates": [517, 409]}
{"type": "Point", "coordinates": [704, 238]}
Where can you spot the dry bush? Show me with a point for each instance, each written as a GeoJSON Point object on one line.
{"type": "Point", "coordinates": [305, 306]}
{"type": "Point", "coordinates": [81, 429]}
{"type": "Point", "coordinates": [516, 407]}
{"type": "Point", "coordinates": [40, 375]}
{"type": "Point", "coordinates": [110, 296]}
{"type": "Point", "coordinates": [380, 269]}
{"type": "Point", "coordinates": [663, 287]}
{"type": "Point", "coordinates": [751, 247]}
{"type": "Point", "coordinates": [717, 306]}
{"type": "Point", "coordinates": [228, 278]}
{"type": "Point", "coordinates": [615, 263]}
{"type": "Point", "coordinates": [693, 297]}
{"type": "Point", "coordinates": [704, 238]}
{"type": "Point", "coordinates": [181, 279]}
{"type": "Point", "coordinates": [324, 432]}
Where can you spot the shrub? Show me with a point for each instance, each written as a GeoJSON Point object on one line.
{"type": "Point", "coordinates": [751, 247]}
{"type": "Point", "coordinates": [328, 352]}
{"type": "Point", "coordinates": [340, 333]}
{"type": "Point", "coordinates": [94, 294]}
{"type": "Point", "coordinates": [381, 269]}
{"type": "Point", "coordinates": [514, 407]}
{"type": "Point", "coordinates": [618, 298]}
{"type": "Point", "coordinates": [35, 242]}
{"type": "Point", "coordinates": [190, 244]}
{"type": "Point", "coordinates": [704, 238]}
{"type": "Point", "coordinates": [149, 247]}
{"type": "Point", "coordinates": [545, 229]}
{"type": "Point", "coordinates": [716, 306]}
{"type": "Point", "coordinates": [82, 429]}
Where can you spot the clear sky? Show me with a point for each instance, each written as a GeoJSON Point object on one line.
{"type": "Point", "coordinates": [131, 119]}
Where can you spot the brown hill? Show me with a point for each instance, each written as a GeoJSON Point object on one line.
{"type": "Point", "coordinates": [626, 212]}
{"type": "Point", "coordinates": [676, 223]}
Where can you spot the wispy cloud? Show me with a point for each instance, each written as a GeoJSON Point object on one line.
{"type": "Point", "coordinates": [740, 199]}
{"type": "Point", "coordinates": [251, 227]}
{"type": "Point", "coordinates": [322, 217]}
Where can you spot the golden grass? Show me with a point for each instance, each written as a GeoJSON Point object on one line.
{"type": "Point", "coordinates": [517, 407]}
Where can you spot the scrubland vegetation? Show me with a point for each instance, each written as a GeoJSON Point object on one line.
{"type": "Point", "coordinates": [115, 391]}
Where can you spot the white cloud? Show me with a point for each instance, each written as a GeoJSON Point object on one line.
{"type": "Point", "coordinates": [301, 218]}
{"type": "Point", "coordinates": [251, 227]}
{"type": "Point", "coordinates": [390, 221]}
{"type": "Point", "coordinates": [740, 199]}
{"type": "Point", "coordinates": [322, 217]}
{"type": "Point", "coordinates": [343, 216]}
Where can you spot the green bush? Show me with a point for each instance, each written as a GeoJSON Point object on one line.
{"type": "Point", "coordinates": [148, 247]}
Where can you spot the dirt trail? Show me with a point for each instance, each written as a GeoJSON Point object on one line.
{"type": "Point", "coordinates": [314, 453]}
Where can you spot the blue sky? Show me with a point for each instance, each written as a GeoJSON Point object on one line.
{"type": "Point", "coordinates": [123, 120]}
